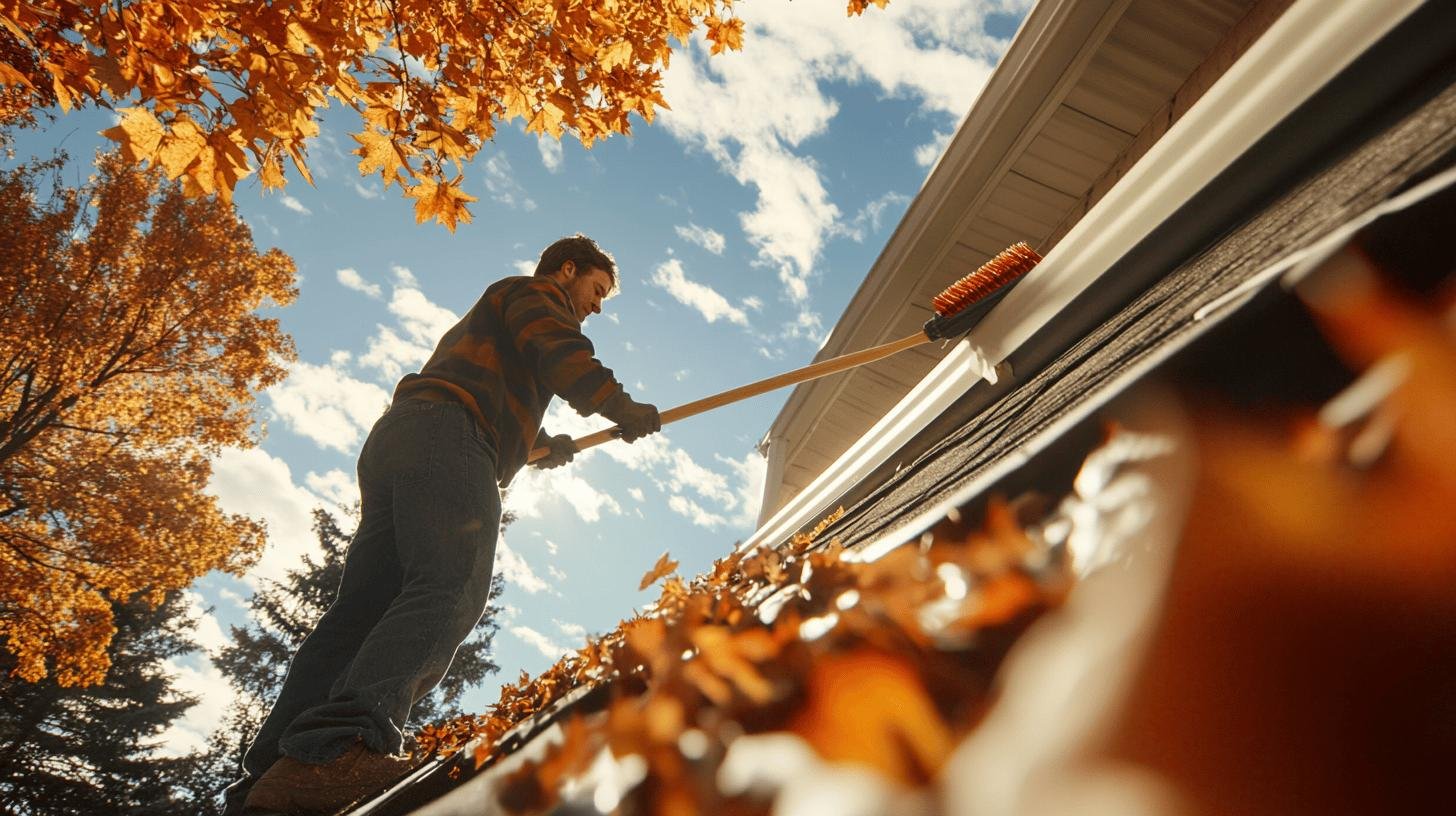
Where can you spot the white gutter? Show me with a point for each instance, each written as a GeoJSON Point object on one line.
{"type": "Point", "coordinates": [1289, 271]}
{"type": "Point", "coordinates": [1305, 48]}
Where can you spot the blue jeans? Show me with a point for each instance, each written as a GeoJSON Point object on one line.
{"type": "Point", "coordinates": [416, 580]}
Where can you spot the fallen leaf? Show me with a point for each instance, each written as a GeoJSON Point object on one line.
{"type": "Point", "coordinates": [664, 565]}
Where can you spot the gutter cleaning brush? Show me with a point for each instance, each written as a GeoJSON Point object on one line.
{"type": "Point", "coordinates": [958, 308]}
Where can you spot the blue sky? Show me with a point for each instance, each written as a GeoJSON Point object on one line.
{"type": "Point", "coordinates": [742, 221]}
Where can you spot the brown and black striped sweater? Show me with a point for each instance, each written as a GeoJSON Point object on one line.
{"type": "Point", "coordinates": [516, 347]}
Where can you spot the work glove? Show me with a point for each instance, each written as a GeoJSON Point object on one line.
{"type": "Point", "coordinates": [563, 450]}
{"type": "Point", "coordinates": [636, 419]}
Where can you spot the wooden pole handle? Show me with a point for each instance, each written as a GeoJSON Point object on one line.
{"type": "Point", "coordinates": [814, 371]}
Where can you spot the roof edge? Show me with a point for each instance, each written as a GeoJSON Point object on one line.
{"type": "Point", "coordinates": [1237, 111]}
{"type": "Point", "coordinates": [1054, 34]}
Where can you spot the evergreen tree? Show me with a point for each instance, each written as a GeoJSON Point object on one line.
{"type": "Point", "coordinates": [282, 614]}
{"type": "Point", "coordinates": [80, 750]}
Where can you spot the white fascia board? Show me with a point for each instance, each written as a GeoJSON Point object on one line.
{"type": "Point", "coordinates": [1305, 48]}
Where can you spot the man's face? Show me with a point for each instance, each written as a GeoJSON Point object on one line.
{"type": "Point", "coordinates": [587, 288]}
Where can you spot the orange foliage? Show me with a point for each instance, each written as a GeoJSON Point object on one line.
{"type": "Point", "coordinates": [664, 566]}
{"type": "Point", "coordinates": [226, 88]}
{"type": "Point", "coordinates": [1311, 612]}
{"type": "Point", "coordinates": [868, 663]}
{"type": "Point", "coordinates": [129, 350]}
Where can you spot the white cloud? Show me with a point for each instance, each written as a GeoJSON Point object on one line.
{"type": "Point", "coordinates": [423, 323]}
{"type": "Point", "coordinates": [391, 354]}
{"type": "Point", "coordinates": [195, 676]}
{"type": "Point", "coordinates": [586, 500]}
{"type": "Point", "coordinates": [793, 217]}
{"type": "Point", "coordinates": [254, 483]}
{"type": "Point", "coordinates": [542, 643]}
{"type": "Point", "coordinates": [326, 405]}
{"type": "Point", "coordinates": [334, 485]}
{"type": "Point", "coordinates": [575, 631]}
{"type": "Point", "coordinates": [555, 572]}
{"type": "Point", "coordinates": [550, 153]}
{"type": "Point", "coordinates": [351, 279]}
{"type": "Point", "coordinates": [509, 563]}
{"type": "Point", "coordinates": [709, 239]}
{"type": "Point", "coordinates": [532, 490]}
{"type": "Point", "coordinates": [732, 497]}
{"type": "Point", "coordinates": [868, 220]}
{"type": "Point", "coordinates": [206, 631]}
{"type": "Point", "coordinates": [370, 193]}
{"type": "Point", "coordinates": [695, 512]}
{"type": "Point", "coordinates": [749, 475]}
{"type": "Point", "coordinates": [930, 152]}
{"type": "Point", "coordinates": [642, 455]}
{"type": "Point", "coordinates": [669, 275]}
{"type": "Point", "coordinates": [806, 326]}
{"type": "Point", "coordinates": [753, 303]}
{"type": "Point", "coordinates": [199, 679]}
{"type": "Point", "coordinates": [501, 183]}
{"type": "Point", "coordinates": [294, 204]}
{"type": "Point", "coordinates": [524, 267]}
{"type": "Point", "coordinates": [404, 277]}
{"type": "Point", "coordinates": [752, 111]}
{"type": "Point", "coordinates": [706, 483]}
{"type": "Point", "coordinates": [551, 547]}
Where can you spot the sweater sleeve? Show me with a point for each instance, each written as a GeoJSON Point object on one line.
{"type": "Point", "coordinates": [548, 337]}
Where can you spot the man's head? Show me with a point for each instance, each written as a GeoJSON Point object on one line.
{"type": "Point", "coordinates": [586, 271]}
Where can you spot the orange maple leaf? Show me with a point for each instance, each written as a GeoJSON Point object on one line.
{"type": "Point", "coordinates": [443, 202]}
{"type": "Point", "coordinates": [664, 565]}
{"type": "Point", "coordinates": [725, 34]}
{"type": "Point", "coordinates": [180, 147]}
{"type": "Point", "coordinates": [379, 151]}
{"type": "Point", "coordinates": [139, 133]}
{"type": "Point", "coordinates": [857, 7]}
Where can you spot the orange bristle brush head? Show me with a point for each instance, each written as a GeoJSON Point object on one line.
{"type": "Point", "coordinates": [1008, 265]}
{"type": "Point", "coordinates": [962, 304]}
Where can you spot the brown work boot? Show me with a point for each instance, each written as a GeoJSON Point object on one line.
{"type": "Point", "coordinates": [300, 789]}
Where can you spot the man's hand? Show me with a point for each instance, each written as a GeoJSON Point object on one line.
{"type": "Point", "coordinates": [636, 419]}
{"type": "Point", "coordinates": [563, 450]}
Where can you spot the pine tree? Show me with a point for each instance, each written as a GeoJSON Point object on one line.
{"type": "Point", "coordinates": [78, 750]}
{"type": "Point", "coordinates": [282, 615]}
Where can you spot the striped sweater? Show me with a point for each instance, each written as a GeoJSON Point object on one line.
{"type": "Point", "coordinates": [516, 347]}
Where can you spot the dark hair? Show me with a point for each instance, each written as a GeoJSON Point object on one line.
{"type": "Point", "coordinates": [580, 250]}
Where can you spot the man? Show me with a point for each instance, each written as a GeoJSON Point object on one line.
{"type": "Point", "coordinates": [418, 570]}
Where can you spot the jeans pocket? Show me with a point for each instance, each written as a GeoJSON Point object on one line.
{"type": "Point", "coordinates": [407, 441]}
{"type": "Point", "coordinates": [407, 407]}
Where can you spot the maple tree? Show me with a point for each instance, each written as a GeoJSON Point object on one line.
{"type": "Point", "coordinates": [130, 348]}
{"type": "Point", "coordinates": [221, 88]}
